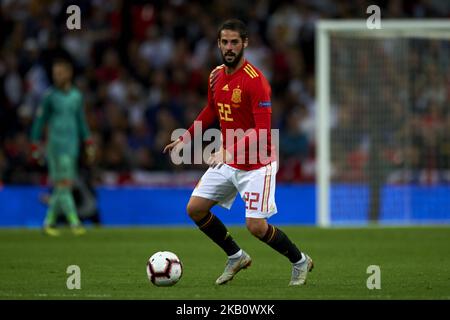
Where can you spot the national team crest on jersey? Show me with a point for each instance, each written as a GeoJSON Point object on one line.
{"type": "Point", "coordinates": [236, 97]}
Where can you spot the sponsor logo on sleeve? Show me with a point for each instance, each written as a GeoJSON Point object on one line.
{"type": "Point", "coordinates": [265, 104]}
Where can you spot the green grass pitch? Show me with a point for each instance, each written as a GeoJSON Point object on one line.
{"type": "Point", "coordinates": [414, 263]}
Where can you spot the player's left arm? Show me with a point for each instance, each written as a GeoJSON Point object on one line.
{"type": "Point", "coordinates": [85, 132]}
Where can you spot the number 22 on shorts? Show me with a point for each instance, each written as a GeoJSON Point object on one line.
{"type": "Point", "coordinates": [250, 199]}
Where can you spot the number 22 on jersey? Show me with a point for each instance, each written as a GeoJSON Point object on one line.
{"type": "Point", "coordinates": [224, 111]}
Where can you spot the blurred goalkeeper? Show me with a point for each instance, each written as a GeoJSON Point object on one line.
{"type": "Point", "coordinates": [62, 110]}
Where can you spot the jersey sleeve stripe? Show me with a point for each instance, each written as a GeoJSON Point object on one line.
{"type": "Point", "coordinates": [250, 71]}
{"type": "Point", "coordinates": [251, 75]}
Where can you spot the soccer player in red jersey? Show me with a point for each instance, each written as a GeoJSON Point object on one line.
{"type": "Point", "coordinates": [239, 96]}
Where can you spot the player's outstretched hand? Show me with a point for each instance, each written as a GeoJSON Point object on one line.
{"type": "Point", "coordinates": [90, 151]}
{"type": "Point", "coordinates": [171, 146]}
{"type": "Point", "coordinates": [37, 156]}
{"type": "Point", "coordinates": [218, 158]}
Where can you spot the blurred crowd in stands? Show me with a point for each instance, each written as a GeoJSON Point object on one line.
{"type": "Point", "coordinates": [143, 68]}
{"type": "Point", "coordinates": [391, 109]}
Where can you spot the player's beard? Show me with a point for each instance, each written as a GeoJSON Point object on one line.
{"type": "Point", "coordinates": [236, 60]}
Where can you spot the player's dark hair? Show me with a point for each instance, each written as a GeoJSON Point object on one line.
{"type": "Point", "coordinates": [234, 25]}
{"type": "Point", "coordinates": [62, 61]}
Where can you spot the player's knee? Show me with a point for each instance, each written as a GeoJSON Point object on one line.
{"type": "Point", "coordinates": [257, 228]}
{"type": "Point", "coordinates": [195, 211]}
{"type": "Point", "coordinates": [64, 183]}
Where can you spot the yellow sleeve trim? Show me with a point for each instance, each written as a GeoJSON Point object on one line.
{"type": "Point", "coordinates": [250, 71]}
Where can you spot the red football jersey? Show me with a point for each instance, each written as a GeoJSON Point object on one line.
{"type": "Point", "coordinates": [241, 101]}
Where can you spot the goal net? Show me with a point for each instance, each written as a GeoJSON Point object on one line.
{"type": "Point", "coordinates": [383, 122]}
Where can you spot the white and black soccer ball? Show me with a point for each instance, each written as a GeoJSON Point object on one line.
{"type": "Point", "coordinates": [164, 269]}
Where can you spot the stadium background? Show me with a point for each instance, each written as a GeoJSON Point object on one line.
{"type": "Point", "coordinates": [142, 67]}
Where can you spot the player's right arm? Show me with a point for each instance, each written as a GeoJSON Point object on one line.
{"type": "Point", "coordinates": [40, 120]}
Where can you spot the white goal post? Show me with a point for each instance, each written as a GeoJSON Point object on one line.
{"type": "Point", "coordinates": [351, 29]}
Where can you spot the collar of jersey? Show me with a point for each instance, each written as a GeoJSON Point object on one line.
{"type": "Point", "coordinates": [231, 76]}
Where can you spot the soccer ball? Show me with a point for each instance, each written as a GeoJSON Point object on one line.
{"type": "Point", "coordinates": [164, 269]}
